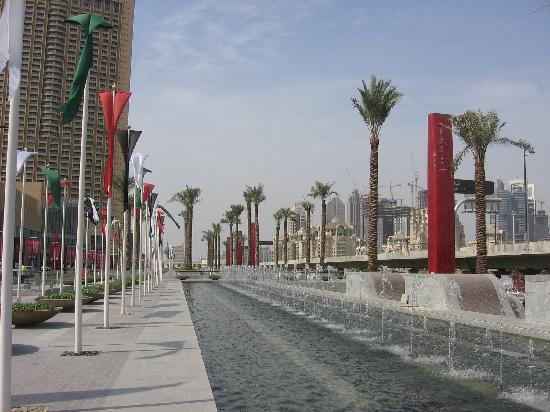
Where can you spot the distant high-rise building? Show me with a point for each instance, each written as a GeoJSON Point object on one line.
{"type": "Point", "coordinates": [511, 212]}
{"type": "Point", "coordinates": [51, 49]}
{"type": "Point", "coordinates": [300, 218]}
{"type": "Point", "coordinates": [354, 212]}
{"type": "Point", "coordinates": [422, 199]}
{"type": "Point", "coordinates": [336, 210]}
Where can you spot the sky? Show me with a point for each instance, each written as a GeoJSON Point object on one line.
{"type": "Point", "coordinates": [233, 93]}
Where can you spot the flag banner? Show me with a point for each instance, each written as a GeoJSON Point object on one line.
{"type": "Point", "coordinates": [145, 171]}
{"type": "Point", "coordinates": [160, 221]}
{"type": "Point", "coordinates": [169, 215]}
{"type": "Point", "coordinates": [138, 200]}
{"type": "Point", "coordinates": [22, 157]}
{"type": "Point", "coordinates": [54, 185]}
{"type": "Point", "coordinates": [147, 189]}
{"type": "Point", "coordinates": [152, 201]}
{"type": "Point", "coordinates": [116, 226]}
{"type": "Point", "coordinates": [127, 140]}
{"type": "Point", "coordinates": [103, 220]}
{"type": "Point", "coordinates": [89, 22]}
{"type": "Point", "coordinates": [11, 41]}
{"type": "Point", "coordinates": [91, 211]}
{"type": "Point", "coordinates": [112, 110]}
{"type": "Point", "coordinates": [137, 160]}
{"type": "Point", "coordinates": [151, 205]}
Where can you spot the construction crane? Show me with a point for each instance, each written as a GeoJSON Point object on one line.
{"type": "Point", "coordinates": [390, 187]}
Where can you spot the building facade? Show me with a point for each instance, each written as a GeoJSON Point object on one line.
{"type": "Point", "coordinates": [354, 212]}
{"type": "Point", "coordinates": [336, 210]}
{"type": "Point", "coordinates": [51, 49]}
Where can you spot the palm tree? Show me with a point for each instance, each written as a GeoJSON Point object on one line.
{"type": "Point", "coordinates": [217, 228]}
{"type": "Point", "coordinates": [308, 207]}
{"type": "Point", "coordinates": [286, 214]}
{"type": "Point", "coordinates": [247, 194]}
{"type": "Point", "coordinates": [228, 219]}
{"type": "Point", "coordinates": [208, 236]}
{"type": "Point", "coordinates": [377, 101]}
{"type": "Point", "coordinates": [188, 198]}
{"type": "Point", "coordinates": [236, 211]}
{"type": "Point", "coordinates": [479, 131]}
{"type": "Point", "coordinates": [258, 196]}
{"type": "Point", "coordinates": [278, 216]}
{"type": "Point", "coordinates": [322, 191]}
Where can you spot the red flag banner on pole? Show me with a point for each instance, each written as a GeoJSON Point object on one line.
{"type": "Point", "coordinates": [147, 189]}
{"type": "Point", "coordinates": [112, 110]}
{"type": "Point", "coordinates": [103, 220]}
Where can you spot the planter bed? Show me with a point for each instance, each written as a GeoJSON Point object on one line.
{"type": "Point", "coordinates": [29, 314]}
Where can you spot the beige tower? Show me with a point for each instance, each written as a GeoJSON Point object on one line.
{"type": "Point", "coordinates": [51, 49]}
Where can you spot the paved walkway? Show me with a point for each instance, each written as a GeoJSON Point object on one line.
{"type": "Point", "coordinates": [151, 363]}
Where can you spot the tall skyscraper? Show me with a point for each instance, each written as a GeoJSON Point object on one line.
{"type": "Point", "coordinates": [51, 49]}
{"type": "Point", "coordinates": [511, 212]}
{"type": "Point", "coordinates": [354, 212]}
{"type": "Point", "coordinates": [336, 209]}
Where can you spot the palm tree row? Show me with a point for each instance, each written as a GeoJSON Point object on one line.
{"type": "Point", "coordinates": [187, 197]}
{"type": "Point", "coordinates": [318, 191]}
{"type": "Point", "coordinates": [253, 195]}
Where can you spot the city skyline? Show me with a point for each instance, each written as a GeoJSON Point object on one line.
{"type": "Point", "coordinates": [199, 79]}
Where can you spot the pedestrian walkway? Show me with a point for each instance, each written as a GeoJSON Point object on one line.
{"type": "Point", "coordinates": [152, 362]}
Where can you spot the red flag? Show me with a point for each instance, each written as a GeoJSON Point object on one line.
{"type": "Point", "coordinates": [160, 220]}
{"type": "Point", "coordinates": [103, 220]}
{"type": "Point", "coordinates": [111, 115]}
{"type": "Point", "coordinates": [147, 189]}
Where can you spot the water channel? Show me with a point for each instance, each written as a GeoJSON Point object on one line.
{"type": "Point", "coordinates": [267, 348]}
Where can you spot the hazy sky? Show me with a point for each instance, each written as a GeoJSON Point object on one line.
{"type": "Point", "coordinates": [230, 93]}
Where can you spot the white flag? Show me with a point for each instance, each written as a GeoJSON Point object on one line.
{"type": "Point", "coordinates": [11, 40]}
{"type": "Point", "coordinates": [137, 160]}
{"type": "Point", "coordinates": [22, 157]}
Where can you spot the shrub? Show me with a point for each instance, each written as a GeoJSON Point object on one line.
{"type": "Point", "coordinates": [68, 294]}
{"type": "Point", "coordinates": [23, 307]}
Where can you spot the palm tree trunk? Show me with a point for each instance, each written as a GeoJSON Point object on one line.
{"type": "Point", "coordinates": [323, 231]}
{"type": "Point", "coordinates": [372, 245]}
{"type": "Point", "coordinates": [257, 235]}
{"type": "Point", "coordinates": [277, 229]}
{"type": "Point", "coordinates": [189, 239]}
{"type": "Point", "coordinates": [285, 233]}
{"type": "Point", "coordinates": [481, 228]}
{"type": "Point", "coordinates": [308, 237]}
{"type": "Point", "coordinates": [249, 218]}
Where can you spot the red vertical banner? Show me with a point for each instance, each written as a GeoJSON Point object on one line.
{"type": "Point", "coordinates": [227, 253]}
{"type": "Point", "coordinates": [441, 218]}
{"type": "Point", "coordinates": [252, 251]}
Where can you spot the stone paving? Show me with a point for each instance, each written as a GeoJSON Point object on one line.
{"type": "Point", "coordinates": [152, 362]}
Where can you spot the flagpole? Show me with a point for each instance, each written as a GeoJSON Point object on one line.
{"type": "Point", "coordinates": [95, 254]}
{"type": "Point", "coordinates": [80, 227]}
{"type": "Point", "coordinates": [107, 271]}
{"type": "Point", "coordinates": [21, 223]}
{"type": "Point", "coordinates": [7, 252]}
{"type": "Point", "coordinates": [62, 238]}
{"type": "Point", "coordinates": [101, 262]}
{"type": "Point", "coordinates": [43, 283]}
{"type": "Point", "coordinates": [107, 238]}
{"type": "Point", "coordinates": [86, 257]}
{"type": "Point", "coordinates": [134, 236]}
{"type": "Point", "coordinates": [139, 254]}
{"type": "Point", "coordinates": [147, 285]}
{"type": "Point", "coordinates": [123, 268]}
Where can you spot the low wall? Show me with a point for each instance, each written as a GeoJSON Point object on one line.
{"type": "Point", "coordinates": [453, 292]}
{"type": "Point", "coordinates": [537, 298]}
